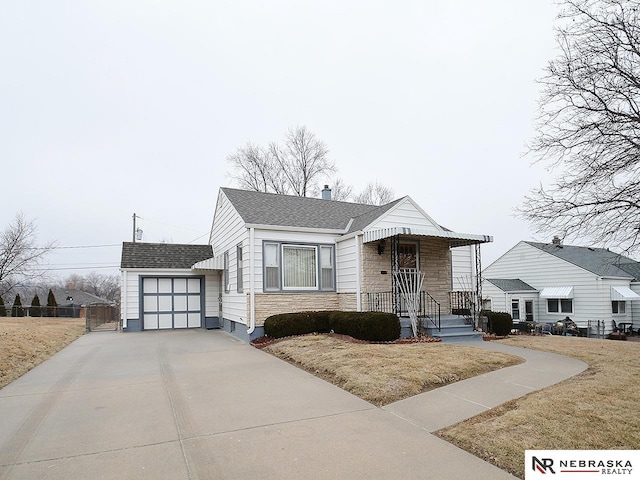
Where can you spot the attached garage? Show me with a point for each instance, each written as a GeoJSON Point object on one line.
{"type": "Point", "coordinates": [163, 290]}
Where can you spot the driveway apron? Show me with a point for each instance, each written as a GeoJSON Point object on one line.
{"type": "Point", "coordinates": [198, 404]}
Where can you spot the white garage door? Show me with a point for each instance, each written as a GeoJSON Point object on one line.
{"type": "Point", "coordinates": [171, 302]}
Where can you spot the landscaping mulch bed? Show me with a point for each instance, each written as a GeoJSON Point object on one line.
{"type": "Point", "coordinates": [264, 341]}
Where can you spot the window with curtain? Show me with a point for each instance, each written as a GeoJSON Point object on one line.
{"type": "Point", "coordinates": [299, 267]}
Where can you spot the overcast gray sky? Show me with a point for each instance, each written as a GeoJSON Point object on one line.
{"type": "Point", "coordinates": [113, 107]}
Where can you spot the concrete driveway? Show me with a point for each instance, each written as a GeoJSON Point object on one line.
{"type": "Point", "coordinates": [200, 404]}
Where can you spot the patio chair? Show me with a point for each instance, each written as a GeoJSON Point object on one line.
{"type": "Point", "coordinates": [616, 328]}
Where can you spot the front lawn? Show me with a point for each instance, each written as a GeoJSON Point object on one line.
{"type": "Point", "coordinates": [597, 409]}
{"type": "Point", "coordinates": [385, 373]}
{"type": "Point", "coordinates": [26, 342]}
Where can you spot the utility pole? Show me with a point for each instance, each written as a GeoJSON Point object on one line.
{"type": "Point", "coordinates": [134, 228]}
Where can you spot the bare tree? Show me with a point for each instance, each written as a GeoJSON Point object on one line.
{"type": "Point", "coordinates": [20, 256]}
{"type": "Point", "coordinates": [254, 168]}
{"type": "Point", "coordinates": [104, 286]}
{"type": "Point", "coordinates": [340, 191]}
{"type": "Point", "coordinates": [293, 167]}
{"type": "Point", "coordinates": [302, 159]}
{"type": "Point", "coordinates": [375, 194]}
{"type": "Point", "coordinates": [589, 127]}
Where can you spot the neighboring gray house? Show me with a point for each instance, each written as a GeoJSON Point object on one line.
{"type": "Point", "coordinates": [71, 301]}
{"type": "Point", "coordinates": [547, 282]}
{"type": "Point", "coordinates": [273, 253]}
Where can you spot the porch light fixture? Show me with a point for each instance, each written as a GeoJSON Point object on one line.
{"type": "Point", "coordinates": [381, 246]}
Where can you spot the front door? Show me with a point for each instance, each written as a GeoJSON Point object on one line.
{"type": "Point", "coordinates": [528, 310]}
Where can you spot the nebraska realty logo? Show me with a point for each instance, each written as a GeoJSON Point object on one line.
{"type": "Point", "coordinates": [582, 464]}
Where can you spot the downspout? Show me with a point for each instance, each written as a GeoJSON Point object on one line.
{"type": "Point", "coordinates": [252, 287]}
{"type": "Point", "coordinates": [358, 272]}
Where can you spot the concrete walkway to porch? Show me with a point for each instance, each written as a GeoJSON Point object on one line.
{"type": "Point", "coordinates": [198, 404]}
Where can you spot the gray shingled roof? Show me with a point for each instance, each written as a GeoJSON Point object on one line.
{"type": "Point", "coordinates": [511, 285]}
{"type": "Point", "coordinates": [64, 296]}
{"type": "Point", "coordinates": [292, 211]}
{"type": "Point", "coordinates": [163, 255]}
{"type": "Point", "coordinates": [600, 261]}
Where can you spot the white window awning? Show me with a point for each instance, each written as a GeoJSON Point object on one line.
{"type": "Point", "coordinates": [556, 292]}
{"type": "Point", "coordinates": [623, 293]}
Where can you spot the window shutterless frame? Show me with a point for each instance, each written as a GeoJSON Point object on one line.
{"type": "Point", "coordinates": [297, 266]}
{"type": "Point", "coordinates": [239, 270]}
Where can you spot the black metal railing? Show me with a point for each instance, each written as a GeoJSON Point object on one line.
{"type": "Point", "coordinates": [463, 303]}
{"type": "Point", "coordinates": [384, 302]}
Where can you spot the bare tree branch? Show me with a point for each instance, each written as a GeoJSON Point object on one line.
{"type": "Point", "coordinates": [588, 127]}
{"type": "Point", "coordinates": [20, 256]}
{"type": "Point", "coordinates": [293, 168]}
{"type": "Point", "coordinates": [375, 194]}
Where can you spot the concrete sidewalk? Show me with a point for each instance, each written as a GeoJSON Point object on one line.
{"type": "Point", "coordinates": [200, 404]}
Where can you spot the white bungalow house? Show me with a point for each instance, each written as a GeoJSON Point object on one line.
{"type": "Point", "coordinates": [545, 283]}
{"type": "Point", "coordinates": [271, 254]}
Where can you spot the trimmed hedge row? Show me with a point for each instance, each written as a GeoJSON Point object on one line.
{"type": "Point", "coordinates": [500, 323]}
{"type": "Point", "coordinates": [370, 326]}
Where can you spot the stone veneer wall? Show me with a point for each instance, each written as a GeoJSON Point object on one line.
{"type": "Point", "coordinates": [435, 262]}
{"type": "Point", "coordinates": [268, 304]}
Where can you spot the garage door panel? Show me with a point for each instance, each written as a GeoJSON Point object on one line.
{"type": "Point", "coordinates": [194, 285]}
{"type": "Point", "coordinates": [150, 303]}
{"type": "Point", "coordinates": [165, 320]}
{"type": "Point", "coordinates": [180, 320]}
{"type": "Point", "coordinates": [180, 303]}
{"type": "Point", "coordinates": [170, 303]}
{"type": "Point", "coordinates": [150, 321]}
{"type": "Point", "coordinates": [195, 320]}
{"type": "Point", "coordinates": [164, 303]}
{"type": "Point", "coordinates": [194, 303]}
{"type": "Point", "coordinates": [179, 285]}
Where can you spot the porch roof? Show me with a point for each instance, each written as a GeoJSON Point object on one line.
{"type": "Point", "coordinates": [455, 239]}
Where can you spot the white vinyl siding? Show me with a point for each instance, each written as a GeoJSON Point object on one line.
{"type": "Point", "coordinates": [229, 231]}
{"type": "Point", "coordinates": [405, 214]}
{"type": "Point", "coordinates": [463, 268]}
{"type": "Point", "coordinates": [346, 266]}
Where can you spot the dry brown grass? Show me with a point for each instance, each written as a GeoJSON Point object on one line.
{"type": "Point", "coordinates": [27, 342]}
{"type": "Point", "coordinates": [385, 373]}
{"type": "Point", "coordinates": [598, 409]}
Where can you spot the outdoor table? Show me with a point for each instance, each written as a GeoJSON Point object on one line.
{"type": "Point", "coordinates": [626, 327]}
